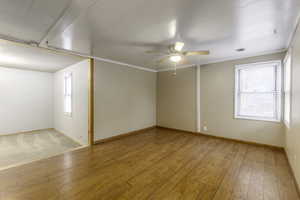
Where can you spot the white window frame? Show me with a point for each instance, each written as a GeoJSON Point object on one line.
{"type": "Point", "coordinates": [277, 93]}
{"type": "Point", "coordinates": [66, 76]}
{"type": "Point", "coordinates": [288, 56]}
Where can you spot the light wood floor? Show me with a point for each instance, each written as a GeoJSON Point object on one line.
{"type": "Point", "coordinates": [159, 164]}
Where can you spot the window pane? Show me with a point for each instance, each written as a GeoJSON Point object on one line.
{"type": "Point", "coordinates": [68, 104]}
{"type": "Point", "coordinates": [258, 91]}
{"type": "Point", "coordinates": [257, 105]}
{"type": "Point", "coordinates": [68, 93]}
{"type": "Point", "coordinates": [68, 82]}
{"type": "Point", "coordinates": [258, 79]}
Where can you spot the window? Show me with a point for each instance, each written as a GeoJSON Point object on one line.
{"type": "Point", "coordinates": [287, 89]}
{"type": "Point", "coordinates": [68, 94]}
{"type": "Point", "coordinates": [258, 91]}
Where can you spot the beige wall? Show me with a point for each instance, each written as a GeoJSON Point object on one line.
{"type": "Point", "coordinates": [217, 105]}
{"type": "Point", "coordinates": [293, 134]}
{"type": "Point", "coordinates": [176, 99]}
{"type": "Point", "coordinates": [125, 99]}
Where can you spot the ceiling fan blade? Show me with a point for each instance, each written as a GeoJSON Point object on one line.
{"type": "Point", "coordinates": [164, 59]}
{"type": "Point", "coordinates": [152, 51]}
{"type": "Point", "coordinates": [155, 52]}
{"type": "Point", "coordinates": [195, 53]}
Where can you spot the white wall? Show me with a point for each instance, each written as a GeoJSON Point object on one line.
{"type": "Point", "coordinates": [76, 126]}
{"type": "Point", "coordinates": [293, 133]}
{"type": "Point", "coordinates": [125, 99]}
{"type": "Point", "coordinates": [217, 105]}
{"type": "Point", "coordinates": [26, 100]}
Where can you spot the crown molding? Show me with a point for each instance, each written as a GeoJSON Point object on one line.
{"type": "Point", "coordinates": [71, 12]}
{"type": "Point", "coordinates": [100, 59]}
{"type": "Point", "coordinates": [246, 56]}
{"type": "Point", "coordinates": [178, 67]}
{"type": "Point", "coordinates": [226, 59]}
{"type": "Point", "coordinates": [57, 50]}
{"type": "Point", "coordinates": [292, 36]}
{"type": "Point", "coordinates": [85, 56]}
{"type": "Point", "coordinates": [123, 64]}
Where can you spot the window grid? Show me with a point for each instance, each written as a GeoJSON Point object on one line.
{"type": "Point", "coordinates": [275, 92]}
{"type": "Point", "coordinates": [68, 81]}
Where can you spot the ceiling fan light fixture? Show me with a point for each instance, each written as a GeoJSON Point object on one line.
{"type": "Point", "coordinates": [179, 46]}
{"type": "Point", "coordinates": [176, 58]}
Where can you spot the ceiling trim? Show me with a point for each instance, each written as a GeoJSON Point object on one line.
{"type": "Point", "coordinates": [61, 51]}
{"type": "Point", "coordinates": [293, 35]}
{"type": "Point", "coordinates": [26, 69]}
{"type": "Point", "coordinates": [100, 59]}
{"type": "Point", "coordinates": [75, 9]}
{"type": "Point", "coordinates": [24, 43]}
{"type": "Point", "coordinates": [69, 52]}
{"type": "Point", "coordinates": [247, 56]}
{"type": "Point", "coordinates": [123, 64]}
{"type": "Point", "coordinates": [179, 67]}
{"type": "Point", "coordinates": [227, 59]}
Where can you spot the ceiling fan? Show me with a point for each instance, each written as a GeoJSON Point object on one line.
{"type": "Point", "coordinates": [175, 53]}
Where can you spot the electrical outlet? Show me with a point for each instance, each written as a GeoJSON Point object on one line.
{"type": "Point", "coordinates": [205, 128]}
{"type": "Point", "coordinates": [295, 158]}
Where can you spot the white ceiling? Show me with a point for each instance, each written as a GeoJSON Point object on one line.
{"type": "Point", "coordinates": [33, 58]}
{"type": "Point", "coordinates": [30, 19]}
{"type": "Point", "coordinates": [124, 30]}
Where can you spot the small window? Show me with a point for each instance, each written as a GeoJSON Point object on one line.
{"type": "Point", "coordinates": [258, 91]}
{"type": "Point", "coordinates": [68, 94]}
{"type": "Point", "coordinates": [287, 89]}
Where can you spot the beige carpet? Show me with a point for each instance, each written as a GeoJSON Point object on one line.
{"type": "Point", "coordinates": [27, 147]}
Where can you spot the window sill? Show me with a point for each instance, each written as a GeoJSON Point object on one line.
{"type": "Point", "coordinates": [257, 119]}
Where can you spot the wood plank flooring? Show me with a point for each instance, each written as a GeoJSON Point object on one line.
{"type": "Point", "coordinates": [158, 164]}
